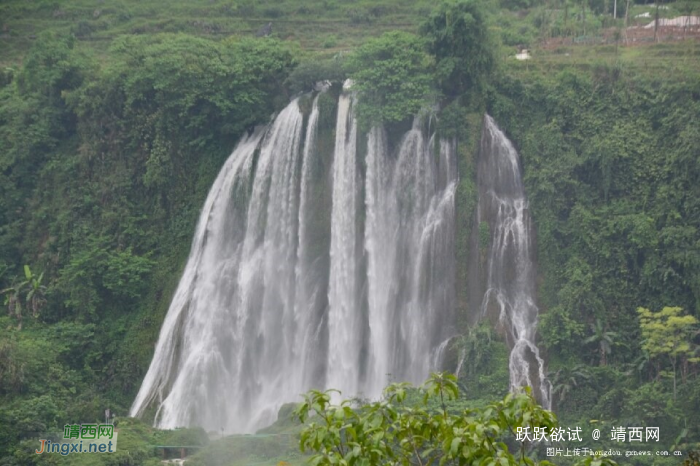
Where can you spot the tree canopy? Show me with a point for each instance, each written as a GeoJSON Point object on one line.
{"type": "Point", "coordinates": [393, 77]}
{"type": "Point", "coordinates": [422, 427]}
{"type": "Point", "coordinates": [457, 36]}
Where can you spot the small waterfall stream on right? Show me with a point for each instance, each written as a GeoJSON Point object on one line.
{"type": "Point", "coordinates": [509, 268]}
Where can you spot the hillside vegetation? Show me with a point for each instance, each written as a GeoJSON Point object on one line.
{"type": "Point", "coordinates": [115, 117]}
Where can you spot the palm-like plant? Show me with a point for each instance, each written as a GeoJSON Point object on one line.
{"type": "Point", "coordinates": [566, 379]}
{"type": "Point", "coordinates": [13, 301]}
{"type": "Point", "coordinates": [603, 338]}
{"type": "Point", "coordinates": [640, 364]}
{"type": "Point", "coordinates": [34, 297]}
{"type": "Point", "coordinates": [36, 291]}
{"type": "Point", "coordinates": [475, 348]}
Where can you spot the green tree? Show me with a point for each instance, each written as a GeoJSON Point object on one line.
{"type": "Point", "coordinates": [29, 291]}
{"type": "Point", "coordinates": [475, 348]}
{"type": "Point", "coordinates": [459, 40]}
{"type": "Point", "coordinates": [181, 96]}
{"type": "Point", "coordinates": [53, 67]}
{"type": "Point", "coordinates": [394, 431]}
{"type": "Point", "coordinates": [603, 338]}
{"type": "Point", "coordinates": [428, 430]}
{"type": "Point", "coordinates": [392, 76]}
{"type": "Point", "coordinates": [566, 379]}
{"type": "Point", "coordinates": [12, 376]}
{"type": "Point", "coordinates": [667, 334]}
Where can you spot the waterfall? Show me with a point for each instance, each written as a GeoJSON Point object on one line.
{"type": "Point", "coordinates": [344, 320]}
{"type": "Point", "coordinates": [308, 292]}
{"type": "Point", "coordinates": [409, 235]}
{"type": "Point", "coordinates": [311, 267]}
{"type": "Point", "coordinates": [510, 281]}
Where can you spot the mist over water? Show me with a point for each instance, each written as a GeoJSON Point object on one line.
{"type": "Point", "coordinates": [309, 269]}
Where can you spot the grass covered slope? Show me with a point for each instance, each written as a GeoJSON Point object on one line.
{"type": "Point", "coordinates": [317, 25]}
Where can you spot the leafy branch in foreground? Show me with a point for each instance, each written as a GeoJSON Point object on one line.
{"type": "Point", "coordinates": [395, 432]}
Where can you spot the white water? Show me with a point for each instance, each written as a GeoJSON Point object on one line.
{"type": "Point", "coordinates": [511, 273]}
{"type": "Point", "coordinates": [306, 331]}
{"type": "Point", "coordinates": [344, 320]}
{"type": "Point", "coordinates": [409, 235]}
{"type": "Point", "coordinates": [304, 277]}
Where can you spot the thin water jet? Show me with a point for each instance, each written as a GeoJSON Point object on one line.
{"type": "Point", "coordinates": [510, 268]}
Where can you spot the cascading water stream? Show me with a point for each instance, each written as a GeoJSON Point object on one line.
{"type": "Point", "coordinates": [344, 320]}
{"type": "Point", "coordinates": [308, 344]}
{"type": "Point", "coordinates": [310, 268]}
{"type": "Point", "coordinates": [510, 284]}
{"type": "Point", "coordinates": [409, 240]}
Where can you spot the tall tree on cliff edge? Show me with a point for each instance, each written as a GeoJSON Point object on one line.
{"type": "Point", "coordinates": [459, 40]}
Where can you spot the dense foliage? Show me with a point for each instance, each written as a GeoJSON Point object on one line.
{"type": "Point", "coordinates": [392, 76]}
{"type": "Point", "coordinates": [106, 155]}
{"type": "Point", "coordinates": [104, 168]}
{"type": "Point", "coordinates": [429, 431]}
{"type": "Point", "coordinates": [611, 166]}
{"type": "Point", "coordinates": [459, 40]}
{"type": "Point", "coordinates": [399, 74]}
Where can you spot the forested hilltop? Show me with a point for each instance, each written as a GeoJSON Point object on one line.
{"type": "Point", "coordinates": [115, 119]}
